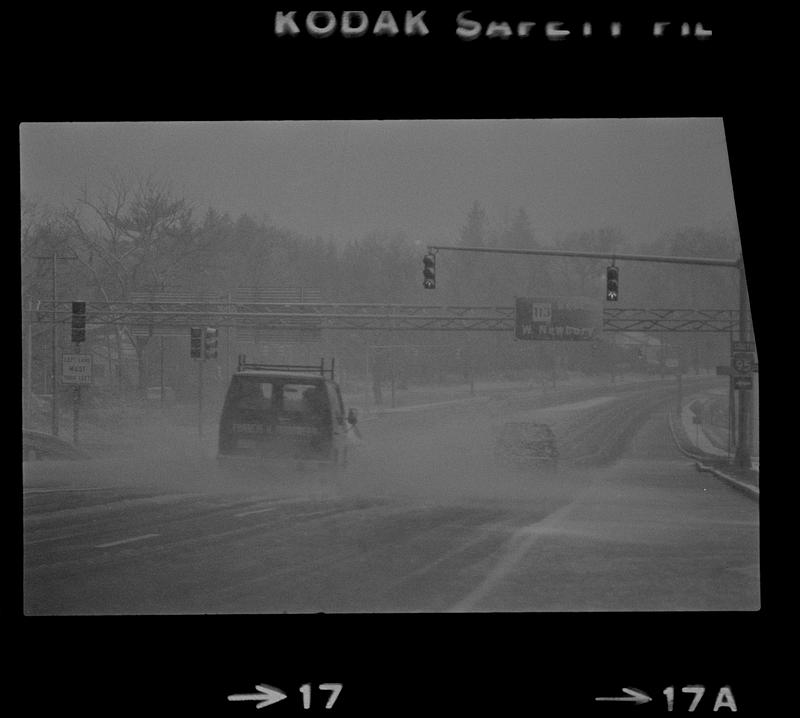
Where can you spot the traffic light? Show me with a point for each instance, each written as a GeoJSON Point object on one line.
{"type": "Point", "coordinates": [210, 343]}
{"type": "Point", "coordinates": [78, 322]}
{"type": "Point", "coordinates": [429, 271]}
{"type": "Point", "coordinates": [196, 343]}
{"type": "Point", "coordinates": [612, 284]}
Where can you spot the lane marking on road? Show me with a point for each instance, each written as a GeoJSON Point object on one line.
{"type": "Point", "coordinates": [114, 504]}
{"type": "Point", "coordinates": [271, 505]}
{"type": "Point", "coordinates": [57, 539]}
{"type": "Point", "coordinates": [574, 406]}
{"type": "Point", "coordinates": [257, 511]}
{"type": "Point", "coordinates": [127, 540]}
{"type": "Point", "coordinates": [327, 512]}
{"type": "Point", "coordinates": [486, 534]}
{"type": "Point", "coordinates": [25, 492]}
{"type": "Point", "coordinates": [519, 545]}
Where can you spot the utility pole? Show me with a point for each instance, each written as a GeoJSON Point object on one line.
{"type": "Point", "coordinates": [470, 369]}
{"type": "Point", "coordinates": [29, 367]}
{"type": "Point", "coordinates": [53, 339]}
{"type": "Point", "coordinates": [76, 403]}
{"type": "Point", "coordinates": [161, 371]}
{"type": "Point", "coordinates": [200, 398]}
{"type": "Point", "coordinates": [54, 365]}
{"type": "Point", "coordinates": [228, 340]}
{"type": "Point", "coordinates": [392, 370]}
{"type": "Point", "coordinates": [366, 375]}
{"type": "Point", "coordinates": [743, 430]}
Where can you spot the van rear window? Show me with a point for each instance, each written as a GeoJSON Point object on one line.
{"type": "Point", "coordinates": [294, 401]}
{"type": "Point", "coordinates": [251, 394]}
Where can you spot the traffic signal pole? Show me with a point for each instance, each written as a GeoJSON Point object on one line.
{"type": "Point", "coordinates": [200, 363]}
{"type": "Point", "coordinates": [742, 459]}
{"type": "Point", "coordinates": [54, 418]}
{"type": "Point", "coordinates": [76, 405]}
{"type": "Point", "coordinates": [53, 341]}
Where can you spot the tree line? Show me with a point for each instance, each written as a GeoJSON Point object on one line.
{"type": "Point", "coordinates": [136, 235]}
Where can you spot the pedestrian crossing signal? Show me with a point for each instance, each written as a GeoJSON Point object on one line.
{"type": "Point", "coordinates": [429, 271]}
{"type": "Point", "coordinates": [612, 284]}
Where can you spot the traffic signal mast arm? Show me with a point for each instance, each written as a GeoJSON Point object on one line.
{"type": "Point", "coordinates": [743, 444]}
{"type": "Point", "coordinates": [707, 261]}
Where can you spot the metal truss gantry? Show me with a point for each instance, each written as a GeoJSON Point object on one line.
{"type": "Point", "coordinates": [670, 320]}
{"type": "Point", "coordinates": [169, 317]}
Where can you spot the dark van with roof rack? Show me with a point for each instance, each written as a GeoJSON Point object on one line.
{"type": "Point", "coordinates": [285, 411]}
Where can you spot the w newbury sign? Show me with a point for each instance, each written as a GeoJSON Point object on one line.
{"type": "Point", "coordinates": [557, 319]}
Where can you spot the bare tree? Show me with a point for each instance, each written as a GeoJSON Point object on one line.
{"type": "Point", "coordinates": [133, 234]}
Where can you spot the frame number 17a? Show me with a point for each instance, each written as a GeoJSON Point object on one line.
{"type": "Point", "coordinates": [724, 698]}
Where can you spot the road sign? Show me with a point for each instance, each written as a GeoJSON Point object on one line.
{"type": "Point", "coordinates": [76, 368]}
{"type": "Point", "coordinates": [743, 382]}
{"type": "Point", "coordinates": [541, 312]}
{"type": "Point", "coordinates": [557, 319]}
{"type": "Point", "coordinates": [742, 363]}
{"type": "Point", "coordinates": [743, 347]}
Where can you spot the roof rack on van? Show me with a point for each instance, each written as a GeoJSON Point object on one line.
{"type": "Point", "coordinates": [244, 365]}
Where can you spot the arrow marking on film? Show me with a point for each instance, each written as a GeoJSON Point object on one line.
{"type": "Point", "coordinates": [267, 695]}
{"type": "Point", "coordinates": [634, 694]}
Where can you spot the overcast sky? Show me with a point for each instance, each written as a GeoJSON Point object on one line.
{"type": "Point", "coordinates": [343, 179]}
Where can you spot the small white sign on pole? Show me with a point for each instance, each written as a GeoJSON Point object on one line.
{"type": "Point", "coordinates": [76, 368]}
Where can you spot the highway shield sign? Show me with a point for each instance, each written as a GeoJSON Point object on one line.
{"type": "Point", "coordinates": [742, 363]}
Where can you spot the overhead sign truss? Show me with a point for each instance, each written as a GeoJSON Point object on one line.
{"type": "Point", "coordinates": [670, 320]}
{"type": "Point", "coordinates": [556, 319]}
{"type": "Point", "coordinates": [169, 317]}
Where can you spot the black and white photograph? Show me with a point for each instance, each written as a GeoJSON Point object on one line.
{"type": "Point", "coordinates": [311, 372]}
{"type": "Point", "coordinates": [370, 366]}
